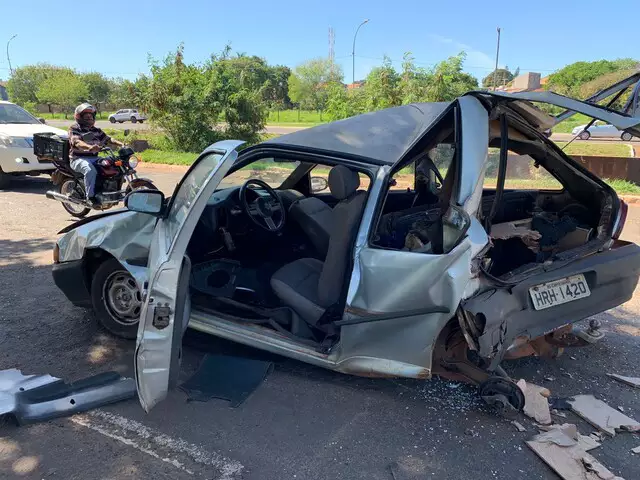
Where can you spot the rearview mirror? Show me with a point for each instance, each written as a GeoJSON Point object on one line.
{"type": "Point", "coordinates": [42, 120]}
{"type": "Point", "coordinates": [145, 201]}
{"type": "Point", "coordinates": [319, 184]}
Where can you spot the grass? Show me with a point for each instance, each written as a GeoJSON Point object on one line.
{"type": "Point", "coordinates": [296, 117]}
{"type": "Point", "coordinates": [570, 123]}
{"type": "Point", "coordinates": [168, 157]}
{"type": "Point", "coordinates": [597, 149]}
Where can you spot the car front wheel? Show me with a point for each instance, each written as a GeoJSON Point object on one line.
{"type": "Point", "coordinates": [584, 135]}
{"type": "Point", "coordinates": [116, 299]}
{"type": "Point", "coordinates": [626, 136]}
{"type": "Point", "coordinates": [112, 120]}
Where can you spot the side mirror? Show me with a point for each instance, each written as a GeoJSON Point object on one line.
{"type": "Point", "coordinates": [126, 132]}
{"type": "Point", "coordinates": [145, 201]}
{"type": "Point", "coordinates": [319, 184]}
{"type": "Point", "coordinates": [42, 120]}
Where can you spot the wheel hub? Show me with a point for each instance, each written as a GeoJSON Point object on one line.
{"type": "Point", "coordinates": [122, 298]}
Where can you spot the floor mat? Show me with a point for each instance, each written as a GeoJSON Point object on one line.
{"type": "Point", "coordinates": [226, 377]}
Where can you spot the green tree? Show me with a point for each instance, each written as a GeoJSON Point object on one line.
{"type": "Point", "coordinates": [569, 80]}
{"type": "Point", "coordinates": [594, 86]}
{"type": "Point", "coordinates": [25, 81]}
{"type": "Point", "coordinates": [501, 76]}
{"type": "Point", "coordinates": [382, 87]}
{"type": "Point", "coordinates": [276, 92]}
{"type": "Point", "coordinates": [98, 88]}
{"type": "Point", "coordinates": [414, 81]}
{"type": "Point", "coordinates": [309, 82]}
{"type": "Point", "coordinates": [65, 89]}
{"type": "Point", "coordinates": [449, 81]}
{"type": "Point", "coordinates": [343, 103]}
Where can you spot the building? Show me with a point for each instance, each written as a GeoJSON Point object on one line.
{"type": "Point", "coordinates": [527, 82]}
{"type": "Point", "coordinates": [3, 91]}
{"type": "Point", "coordinates": [355, 85]}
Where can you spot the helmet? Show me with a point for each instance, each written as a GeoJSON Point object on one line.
{"type": "Point", "coordinates": [84, 108]}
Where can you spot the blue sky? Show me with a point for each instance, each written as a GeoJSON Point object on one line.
{"type": "Point", "coordinates": [541, 38]}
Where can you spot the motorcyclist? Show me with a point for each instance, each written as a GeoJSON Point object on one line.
{"type": "Point", "coordinates": [85, 142]}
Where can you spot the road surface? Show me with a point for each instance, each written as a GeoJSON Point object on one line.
{"type": "Point", "coordinates": [301, 423]}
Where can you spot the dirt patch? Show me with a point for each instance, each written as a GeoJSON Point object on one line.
{"type": "Point", "coordinates": [628, 329]}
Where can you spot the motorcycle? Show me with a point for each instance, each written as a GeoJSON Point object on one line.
{"type": "Point", "coordinates": [115, 170]}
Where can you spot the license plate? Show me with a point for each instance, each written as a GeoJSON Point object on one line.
{"type": "Point", "coordinates": [558, 292]}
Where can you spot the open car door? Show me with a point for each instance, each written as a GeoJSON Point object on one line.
{"type": "Point", "coordinates": [166, 308]}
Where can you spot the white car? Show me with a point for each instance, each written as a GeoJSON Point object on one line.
{"type": "Point", "coordinates": [600, 130]}
{"type": "Point", "coordinates": [127, 114]}
{"type": "Point", "coordinates": [17, 127]}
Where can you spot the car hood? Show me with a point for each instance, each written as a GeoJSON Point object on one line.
{"type": "Point", "coordinates": [27, 130]}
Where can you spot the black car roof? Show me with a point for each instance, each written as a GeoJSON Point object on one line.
{"type": "Point", "coordinates": [383, 136]}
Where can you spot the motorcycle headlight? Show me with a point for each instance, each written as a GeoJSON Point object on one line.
{"type": "Point", "coordinates": [133, 162]}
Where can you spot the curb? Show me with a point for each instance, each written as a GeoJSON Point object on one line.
{"type": "Point", "coordinates": [630, 199]}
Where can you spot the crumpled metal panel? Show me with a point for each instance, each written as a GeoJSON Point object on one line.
{"type": "Point", "coordinates": [37, 398]}
{"type": "Point", "coordinates": [126, 236]}
{"type": "Point", "coordinates": [392, 281]}
{"type": "Point", "coordinates": [475, 150]}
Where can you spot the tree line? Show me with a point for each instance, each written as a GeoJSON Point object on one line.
{"type": "Point", "coordinates": [230, 94]}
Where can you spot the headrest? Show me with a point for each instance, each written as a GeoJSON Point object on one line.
{"type": "Point", "coordinates": [343, 182]}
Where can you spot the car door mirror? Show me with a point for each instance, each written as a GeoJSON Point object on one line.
{"type": "Point", "coordinates": [318, 184]}
{"type": "Point", "coordinates": [42, 120]}
{"type": "Point", "coordinates": [145, 201]}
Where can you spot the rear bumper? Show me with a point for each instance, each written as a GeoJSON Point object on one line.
{"type": "Point", "coordinates": [69, 277]}
{"type": "Point", "coordinates": [612, 277]}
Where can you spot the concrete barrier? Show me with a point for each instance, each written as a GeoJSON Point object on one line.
{"type": "Point", "coordinates": [624, 168]}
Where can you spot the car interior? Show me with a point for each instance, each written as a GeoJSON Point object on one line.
{"type": "Point", "coordinates": [275, 247]}
{"type": "Point", "coordinates": [269, 250]}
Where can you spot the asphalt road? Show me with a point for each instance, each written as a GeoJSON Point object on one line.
{"type": "Point", "coordinates": [301, 423]}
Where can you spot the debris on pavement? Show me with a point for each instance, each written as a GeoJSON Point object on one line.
{"type": "Point", "coordinates": [536, 404]}
{"type": "Point", "coordinates": [636, 450]}
{"type": "Point", "coordinates": [37, 398]}
{"type": "Point", "coordinates": [558, 413]}
{"type": "Point", "coordinates": [631, 381]}
{"type": "Point", "coordinates": [519, 426]}
{"type": "Point", "coordinates": [565, 451]}
{"type": "Point", "coordinates": [602, 416]}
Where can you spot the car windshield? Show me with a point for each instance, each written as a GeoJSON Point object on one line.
{"type": "Point", "coordinates": [10, 113]}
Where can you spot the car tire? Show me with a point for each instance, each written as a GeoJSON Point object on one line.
{"type": "Point", "coordinates": [141, 121]}
{"type": "Point", "coordinates": [116, 299]}
{"type": "Point", "coordinates": [134, 119]}
{"type": "Point", "coordinates": [5, 180]}
{"type": "Point", "coordinates": [584, 135]}
{"type": "Point", "coordinates": [626, 136]}
{"type": "Point", "coordinates": [112, 120]}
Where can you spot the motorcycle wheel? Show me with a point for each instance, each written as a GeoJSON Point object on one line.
{"type": "Point", "coordinates": [69, 187]}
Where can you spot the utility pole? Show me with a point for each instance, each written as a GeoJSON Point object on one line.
{"type": "Point", "coordinates": [495, 72]}
{"type": "Point", "coordinates": [8, 58]}
{"type": "Point", "coordinates": [353, 53]}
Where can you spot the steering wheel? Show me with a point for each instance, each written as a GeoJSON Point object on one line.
{"type": "Point", "coordinates": [262, 209]}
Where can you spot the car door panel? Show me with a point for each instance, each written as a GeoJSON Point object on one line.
{"type": "Point", "coordinates": [166, 308]}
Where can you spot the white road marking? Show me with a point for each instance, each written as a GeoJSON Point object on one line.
{"type": "Point", "coordinates": [181, 454]}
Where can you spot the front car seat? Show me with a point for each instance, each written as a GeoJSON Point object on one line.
{"type": "Point", "coordinates": [310, 286]}
{"type": "Point", "coordinates": [314, 218]}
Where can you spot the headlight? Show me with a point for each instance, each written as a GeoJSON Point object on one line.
{"type": "Point", "coordinates": [133, 162]}
{"type": "Point", "coordinates": [15, 142]}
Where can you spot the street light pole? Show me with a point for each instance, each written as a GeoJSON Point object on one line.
{"type": "Point", "coordinates": [353, 53]}
{"type": "Point", "coordinates": [8, 58]}
{"type": "Point", "coordinates": [495, 72]}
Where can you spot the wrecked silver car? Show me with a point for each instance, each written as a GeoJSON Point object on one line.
{"type": "Point", "coordinates": [426, 239]}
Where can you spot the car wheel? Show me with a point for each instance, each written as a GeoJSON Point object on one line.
{"type": "Point", "coordinates": [5, 180]}
{"type": "Point", "coordinates": [584, 135]}
{"type": "Point", "coordinates": [141, 121]}
{"type": "Point", "coordinates": [134, 119]}
{"type": "Point", "coordinates": [116, 299]}
{"type": "Point", "coordinates": [626, 136]}
{"type": "Point", "coordinates": [112, 120]}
